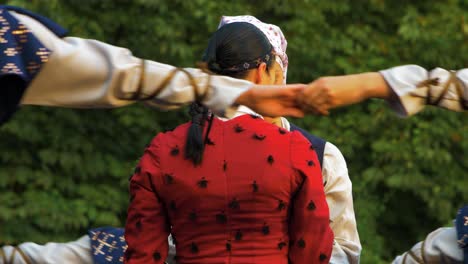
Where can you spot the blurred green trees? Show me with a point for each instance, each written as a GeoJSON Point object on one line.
{"type": "Point", "coordinates": [64, 171]}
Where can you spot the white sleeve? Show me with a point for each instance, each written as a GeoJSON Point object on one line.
{"type": "Point", "coordinates": [88, 73]}
{"type": "Point", "coordinates": [440, 246]}
{"type": "Point", "coordinates": [77, 252]}
{"type": "Point", "coordinates": [338, 192]}
{"type": "Point", "coordinates": [413, 88]}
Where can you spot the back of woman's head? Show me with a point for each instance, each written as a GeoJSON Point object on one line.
{"type": "Point", "coordinates": [236, 48]}
{"type": "Point", "coordinates": [233, 50]}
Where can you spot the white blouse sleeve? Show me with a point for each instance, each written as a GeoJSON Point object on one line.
{"type": "Point", "coordinates": [440, 246]}
{"type": "Point", "coordinates": [77, 252]}
{"type": "Point", "coordinates": [338, 192]}
{"type": "Point", "coordinates": [86, 73]}
{"type": "Point", "coordinates": [415, 87]}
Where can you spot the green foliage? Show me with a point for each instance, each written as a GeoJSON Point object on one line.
{"type": "Point", "coordinates": [64, 171]}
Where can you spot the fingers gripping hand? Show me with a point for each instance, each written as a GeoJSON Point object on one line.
{"type": "Point", "coordinates": [316, 98]}
{"type": "Point", "coordinates": [274, 101]}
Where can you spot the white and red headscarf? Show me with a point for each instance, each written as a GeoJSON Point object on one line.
{"type": "Point", "coordinates": [273, 33]}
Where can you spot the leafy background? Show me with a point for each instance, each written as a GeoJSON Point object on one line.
{"type": "Point", "coordinates": [64, 171]}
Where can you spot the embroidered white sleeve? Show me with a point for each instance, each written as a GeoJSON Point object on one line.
{"type": "Point", "coordinates": [415, 87]}
{"type": "Point", "coordinates": [86, 73]}
{"type": "Point", "coordinates": [338, 192]}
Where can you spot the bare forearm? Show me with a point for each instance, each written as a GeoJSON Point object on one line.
{"type": "Point", "coordinates": [335, 91]}
{"type": "Point", "coordinates": [351, 89]}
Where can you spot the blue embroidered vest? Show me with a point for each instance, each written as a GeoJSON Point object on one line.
{"type": "Point", "coordinates": [22, 56]}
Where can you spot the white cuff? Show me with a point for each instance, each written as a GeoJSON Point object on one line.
{"type": "Point", "coordinates": [415, 87]}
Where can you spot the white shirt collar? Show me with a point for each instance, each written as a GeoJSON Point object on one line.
{"type": "Point", "coordinates": [244, 110]}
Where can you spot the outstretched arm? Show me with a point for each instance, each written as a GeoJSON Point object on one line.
{"type": "Point", "coordinates": [85, 73]}
{"type": "Point", "coordinates": [408, 89]}
{"type": "Point", "coordinates": [88, 73]}
{"type": "Point", "coordinates": [334, 91]}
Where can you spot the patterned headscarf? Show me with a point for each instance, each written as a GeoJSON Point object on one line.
{"type": "Point", "coordinates": [273, 33]}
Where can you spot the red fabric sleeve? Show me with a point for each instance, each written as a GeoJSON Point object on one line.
{"type": "Point", "coordinates": [147, 227]}
{"type": "Point", "coordinates": [310, 232]}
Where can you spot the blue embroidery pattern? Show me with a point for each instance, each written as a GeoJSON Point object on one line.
{"type": "Point", "coordinates": [107, 245]}
{"type": "Point", "coordinates": [22, 56]}
{"type": "Point", "coordinates": [22, 53]}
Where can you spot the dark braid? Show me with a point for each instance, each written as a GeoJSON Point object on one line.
{"type": "Point", "coordinates": [195, 144]}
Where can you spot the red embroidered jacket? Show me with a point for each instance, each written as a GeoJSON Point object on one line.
{"type": "Point", "coordinates": [257, 197]}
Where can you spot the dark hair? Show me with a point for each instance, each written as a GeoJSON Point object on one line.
{"type": "Point", "coordinates": [236, 48]}
{"type": "Point", "coordinates": [233, 50]}
{"type": "Point", "coordinates": [195, 144]}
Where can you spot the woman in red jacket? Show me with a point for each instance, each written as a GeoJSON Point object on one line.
{"type": "Point", "coordinates": [230, 191]}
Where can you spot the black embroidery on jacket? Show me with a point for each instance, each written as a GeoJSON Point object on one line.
{"type": "Point", "coordinates": [221, 218]}
{"type": "Point", "coordinates": [301, 243]}
{"type": "Point", "coordinates": [172, 206]}
{"type": "Point", "coordinates": [234, 204]}
{"type": "Point", "coordinates": [138, 225]}
{"type": "Point", "coordinates": [193, 216]}
{"type": "Point", "coordinates": [281, 205]}
{"type": "Point", "coordinates": [194, 248]}
{"type": "Point", "coordinates": [265, 229]}
{"type": "Point", "coordinates": [175, 151]}
{"type": "Point", "coordinates": [270, 159]}
{"type": "Point", "coordinates": [157, 256]}
{"type": "Point", "coordinates": [168, 178]}
{"type": "Point", "coordinates": [255, 186]}
{"type": "Point", "coordinates": [210, 142]}
{"type": "Point", "coordinates": [202, 183]}
{"type": "Point", "coordinates": [238, 235]}
{"type": "Point", "coordinates": [258, 136]}
{"type": "Point", "coordinates": [281, 245]}
{"type": "Point", "coordinates": [238, 128]}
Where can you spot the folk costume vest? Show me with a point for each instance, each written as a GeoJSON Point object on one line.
{"type": "Point", "coordinates": [22, 56]}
